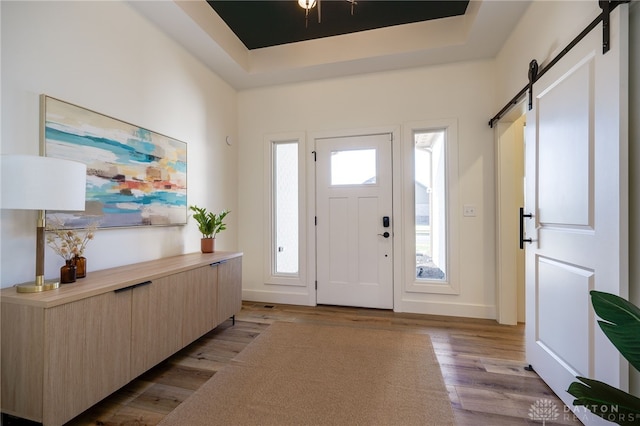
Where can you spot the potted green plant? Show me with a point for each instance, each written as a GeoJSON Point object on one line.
{"type": "Point", "coordinates": [209, 224]}
{"type": "Point", "coordinates": [620, 322]}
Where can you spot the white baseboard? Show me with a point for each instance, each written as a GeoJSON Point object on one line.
{"type": "Point", "coordinates": [446, 309]}
{"type": "Point", "coordinates": [277, 297]}
{"type": "Point", "coordinates": [409, 306]}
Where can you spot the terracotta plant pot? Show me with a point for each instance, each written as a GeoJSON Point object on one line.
{"type": "Point", "coordinates": [207, 245]}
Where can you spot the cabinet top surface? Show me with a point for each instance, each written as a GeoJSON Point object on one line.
{"type": "Point", "coordinates": [105, 280]}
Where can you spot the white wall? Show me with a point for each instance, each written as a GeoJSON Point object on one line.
{"type": "Point", "coordinates": [108, 58]}
{"type": "Point", "coordinates": [634, 171]}
{"type": "Point", "coordinates": [463, 91]}
{"type": "Point", "coordinates": [634, 148]}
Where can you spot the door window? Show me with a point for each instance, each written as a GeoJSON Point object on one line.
{"type": "Point", "coordinates": [353, 167]}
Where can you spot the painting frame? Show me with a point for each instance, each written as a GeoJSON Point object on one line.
{"type": "Point", "coordinates": [135, 177]}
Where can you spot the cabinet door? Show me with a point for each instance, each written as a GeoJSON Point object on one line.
{"type": "Point", "coordinates": [200, 304]}
{"type": "Point", "coordinates": [229, 288]}
{"type": "Point", "coordinates": [157, 312]}
{"type": "Point", "coordinates": [87, 353]}
{"type": "Point", "coordinates": [107, 345]}
{"type": "Point", "coordinates": [22, 360]}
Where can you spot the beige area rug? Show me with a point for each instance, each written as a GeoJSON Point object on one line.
{"type": "Point", "coordinates": [302, 374]}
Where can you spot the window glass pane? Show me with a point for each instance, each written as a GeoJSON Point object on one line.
{"type": "Point", "coordinates": [353, 167]}
{"type": "Point", "coordinates": [430, 205]}
{"type": "Point", "coordinates": [286, 207]}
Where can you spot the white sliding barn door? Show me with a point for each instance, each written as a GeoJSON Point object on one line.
{"type": "Point", "coordinates": [577, 190]}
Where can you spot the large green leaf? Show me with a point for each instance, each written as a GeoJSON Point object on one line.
{"type": "Point", "coordinates": [608, 402]}
{"type": "Point", "coordinates": [621, 324]}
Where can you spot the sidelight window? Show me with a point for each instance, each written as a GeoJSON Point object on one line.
{"type": "Point", "coordinates": [430, 205]}
{"type": "Point", "coordinates": [285, 202]}
{"type": "Point", "coordinates": [284, 224]}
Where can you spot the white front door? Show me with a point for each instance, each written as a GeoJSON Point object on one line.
{"type": "Point", "coordinates": [577, 190]}
{"type": "Point", "coordinates": [354, 240]}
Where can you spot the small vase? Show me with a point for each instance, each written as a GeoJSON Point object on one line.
{"type": "Point", "coordinates": [81, 266]}
{"type": "Point", "coordinates": [68, 272]}
{"type": "Point", "coordinates": [206, 245]}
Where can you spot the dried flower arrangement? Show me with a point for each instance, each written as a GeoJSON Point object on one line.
{"type": "Point", "coordinates": [69, 243]}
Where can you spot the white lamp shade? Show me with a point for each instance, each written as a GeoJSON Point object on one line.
{"type": "Point", "coordinates": [42, 183]}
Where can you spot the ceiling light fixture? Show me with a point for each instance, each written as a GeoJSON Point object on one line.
{"type": "Point", "coordinates": [307, 5]}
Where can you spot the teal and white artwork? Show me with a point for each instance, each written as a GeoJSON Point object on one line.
{"type": "Point", "coordinates": [135, 177]}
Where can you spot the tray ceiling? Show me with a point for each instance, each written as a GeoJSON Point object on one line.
{"type": "Point", "coordinates": [266, 23]}
{"type": "Point", "coordinates": [261, 43]}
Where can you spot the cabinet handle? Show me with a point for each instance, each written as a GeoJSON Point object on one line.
{"type": "Point", "coordinates": [217, 263]}
{"type": "Point", "coordinates": [142, 284]}
{"type": "Point", "coordinates": [132, 287]}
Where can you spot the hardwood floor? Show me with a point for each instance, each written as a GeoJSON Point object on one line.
{"type": "Point", "coordinates": [482, 364]}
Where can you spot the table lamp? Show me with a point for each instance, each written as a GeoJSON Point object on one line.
{"type": "Point", "coordinates": [40, 183]}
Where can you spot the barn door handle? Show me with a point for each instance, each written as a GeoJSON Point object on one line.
{"type": "Point", "coordinates": [522, 238]}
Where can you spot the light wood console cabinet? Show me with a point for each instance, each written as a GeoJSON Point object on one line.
{"type": "Point", "coordinates": [66, 349]}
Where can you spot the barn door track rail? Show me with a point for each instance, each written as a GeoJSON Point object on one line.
{"type": "Point", "coordinates": [534, 73]}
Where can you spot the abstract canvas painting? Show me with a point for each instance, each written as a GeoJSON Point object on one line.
{"type": "Point", "coordinates": [135, 177]}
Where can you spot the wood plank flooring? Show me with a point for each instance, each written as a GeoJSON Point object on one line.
{"type": "Point", "coordinates": [482, 364]}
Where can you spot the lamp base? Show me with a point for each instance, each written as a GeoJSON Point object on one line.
{"type": "Point", "coordinates": [37, 288]}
